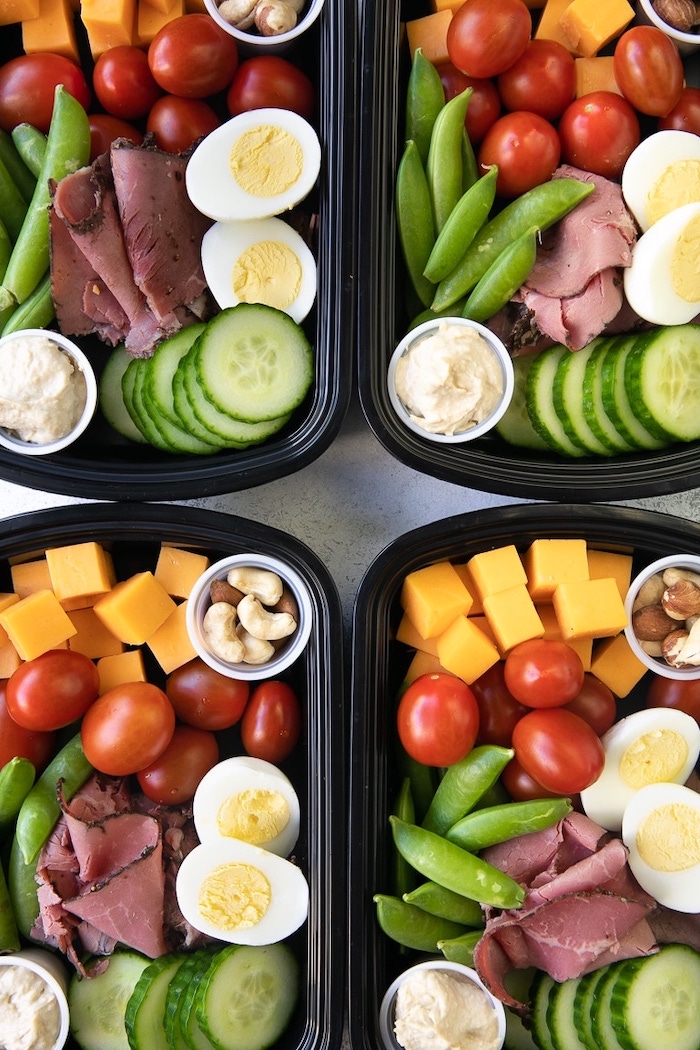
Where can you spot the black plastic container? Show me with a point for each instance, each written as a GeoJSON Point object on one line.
{"type": "Point", "coordinates": [378, 666]}
{"type": "Point", "coordinates": [104, 466]}
{"type": "Point", "coordinates": [317, 765]}
{"type": "Point", "coordinates": [489, 464]}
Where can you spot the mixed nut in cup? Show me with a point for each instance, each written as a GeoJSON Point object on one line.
{"type": "Point", "coordinates": [270, 26]}
{"type": "Point", "coordinates": [663, 612]}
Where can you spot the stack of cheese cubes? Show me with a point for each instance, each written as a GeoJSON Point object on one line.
{"type": "Point", "coordinates": [463, 618]}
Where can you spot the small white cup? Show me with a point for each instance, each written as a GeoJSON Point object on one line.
{"type": "Point", "coordinates": [686, 43]}
{"type": "Point", "coordinates": [252, 41]}
{"type": "Point", "coordinates": [50, 968]}
{"type": "Point", "coordinates": [657, 664]}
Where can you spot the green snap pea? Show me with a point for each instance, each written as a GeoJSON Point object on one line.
{"type": "Point", "coordinates": [485, 827]}
{"type": "Point", "coordinates": [411, 926]}
{"type": "Point", "coordinates": [446, 904]}
{"type": "Point", "coordinates": [463, 785]}
{"type": "Point", "coordinates": [430, 315]}
{"type": "Point", "coordinates": [9, 934]}
{"type": "Point", "coordinates": [470, 168]}
{"type": "Point", "coordinates": [30, 143]}
{"type": "Point", "coordinates": [13, 206]}
{"type": "Point", "coordinates": [21, 883]}
{"type": "Point", "coordinates": [425, 97]}
{"type": "Point", "coordinates": [445, 165]}
{"type": "Point", "coordinates": [541, 206]}
{"type": "Point", "coordinates": [19, 172]}
{"type": "Point", "coordinates": [41, 809]}
{"type": "Point", "coordinates": [5, 248]}
{"type": "Point", "coordinates": [460, 949]}
{"type": "Point", "coordinates": [461, 226]}
{"type": "Point", "coordinates": [503, 278]}
{"type": "Point", "coordinates": [37, 311]}
{"type": "Point", "coordinates": [414, 219]}
{"type": "Point", "coordinates": [423, 782]}
{"type": "Point", "coordinates": [454, 868]}
{"type": "Point", "coordinates": [16, 780]}
{"type": "Point", "coordinates": [404, 809]}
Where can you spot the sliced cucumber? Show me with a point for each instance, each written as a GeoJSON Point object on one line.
{"type": "Point", "coordinates": [179, 997]}
{"type": "Point", "coordinates": [560, 1016]}
{"type": "Point", "coordinates": [597, 418]}
{"type": "Point", "coordinates": [254, 362]}
{"type": "Point", "coordinates": [111, 398]}
{"type": "Point", "coordinates": [98, 1004]}
{"type": "Point", "coordinates": [540, 402]}
{"type": "Point", "coordinates": [131, 403]}
{"type": "Point", "coordinates": [145, 1011]}
{"type": "Point", "coordinates": [604, 1035]}
{"type": "Point", "coordinates": [158, 385]}
{"type": "Point", "coordinates": [662, 381]}
{"type": "Point", "coordinates": [616, 400]}
{"type": "Point", "coordinates": [568, 401]}
{"type": "Point", "coordinates": [583, 1006]}
{"type": "Point", "coordinates": [655, 1001]}
{"type": "Point", "coordinates": [515, 425]}
{"type": "Point", "coordinates": [541, 988]}
{"type": "Point", "coordinates": [186, 414]}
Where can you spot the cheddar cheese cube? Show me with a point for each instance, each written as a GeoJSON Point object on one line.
{"type": "Point", "coordinates": [466, 651]}
{"type": "Point", "coordinates": [551, 562]}
{"type": "Point", "coordinates": [617, 666]}
{"type": "Point", "coordinates": [589, 608]}
{"type": "Point", "coordinates": [36, 624]}
{"type": "Point", "coordinates": [548, 27]}
{"type": "Point", "coordinates": [595, 74]}
{"type": "Point", "coordinates": [430, 34]}
{"type": "Point", "coordinates": [12, 11]}
{"type": "Point", "coordinates": [589, 25]}
{"type": "Point", "coordinates": [52, 30]}
{"type": "Point", "coordinates": [462, 570]}
{"type": "Point", "coordinates": [609, 563]}
{"type": "Point", "coordinates": [121, 669]}
{"type": "Point", "coordinates": [177, 570]}
{"type": "Point", "coordinates": [108, 23]}
{"type": "Point", "coordinates": [9, 657]}
{"type": "Point", "coordinates": [92, 638]}
{"type": "Point", "coordinates": [135, 608]}
{"type": "Point", "coordinates": [30, 576]}
{"type": "Point", "coordinates": [150, 18]}
{"type": "Point", "coordinates": [496, 570]}
{"type": "Point", "coordinates": [171, 644]}
{"type": "Point", "coordinates": [80, 572]}
{"type": "Point", "coordinates": [432, 597]}
{"type": "Point", "coordinates": [423, 663]}
{"type": "Point", "coordinates": [512, 616]}
{"type": "Point", "coordinates": [582, 646]}
{"type": "Point", "coordinates": [408, 635]}
{"type": "Point", "coordinates": [442, 5]}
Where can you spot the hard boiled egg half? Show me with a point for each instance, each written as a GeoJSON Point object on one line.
{"type": "Point", "coordinates": [662, 283]}
{"type": "Point", "coordinates": [260, 261]}
{"type": "Point", "coordinates": [662, 173]}
{"type": "Point", "coordinates": [257, 164]}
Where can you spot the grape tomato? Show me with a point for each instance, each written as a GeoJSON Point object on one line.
{"type": "Point", "coordinates": [270, 81]}
{"type": "Point", "coordinates": [27, 86]}
{"type": "Point", "coordinates": [52, 690]}
{"type": "Point", "coordinates": [499, 711]}
{"type": "Point", "coordinates": [542, 80]}
{"type": "Point", "coordinates": [205, 698]}
{"type": "Point", "coordinates": [543, 673]}
{"type": "Point", "coordinates": [525, 148]}
{"type": "Point", "coordinates": [558, 749]}
{"type": "Point", "coordinates": [485, 37]}
{"type": "Point", "coordinates": [16, 741]}
{"type": "Point", "coordinates": [484, 104]}
{"type": "Point", "coordinates": [271, 722]}
{"type": "Point", "coordinates": [648, 70]}
{"type": "Point", "coordinates": [127, 728]}
{"type": "Point", "coordinates": [192, 56]}
{"type": "Point", "coordinates": [123, 82]}
{"type": "Point", "coordinates": [177, 123]}
{"type": "Point", "coordinates": [174, 776]}
{"type": "Point", "coordinates": [438, 719]}
{"type": "Point", "coordinates": [105, 129]}
{"type": "Point", "coordinates": [598, 132]}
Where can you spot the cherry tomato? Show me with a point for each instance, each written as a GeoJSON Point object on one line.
{"type": "Point", "coordinates": [270, 80]}
{"type": "Point", "coordinates": [52, 690]}
{"type": "Point", "coordinates": [271, 722]}
{"type": "Point", "coordinates": [670, 692]}
{"type": "Point", "coordinates": [526, 149]}
{"type": "Point", "coordinates": [17, 742]}
{"type": "Point", "coordinates": [123, 82]}
{"type": "Point", "coordinates": [178, 123]}
{"type": "Point", "coordinates": [685, 115]}
{"type": "Point", "coordinates": [484, 103]}
{"type": "Point", "coordinates": [521, 786]}
{"type": "Point", "coordinates": [543, 673]}
{"type": "Point", "coordinates": [127, 728]}
{"type": "Point", "coordinates": [27, 85]}
{"type": "Point", "coordinates": [598, 132]}
{"type": "Point", "coordinates": [595, 704]}
{"type": "Point", "coordinates": [542, 80]}
{"type": "Point", "coordinates": [104, 129]}
{"type": "Point", "coordinates": [204, 698]}
{"type": "Point", "coordinates": [648, 70]}
{"type": "Point", "coordinates": [485, 37]}
{"type": "Point", "coordinates": [498, 709]}
{"type": "Point", "coordinates": [193, 56]}
{"type": "Point", "coordinates": [174, 776]}
{"type": "Point", "coordinates": [558, 750]}
{"type": "Point", "coordinates": [438, 719]}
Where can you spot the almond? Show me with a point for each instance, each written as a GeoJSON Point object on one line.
{"type": "Point", "coordinates": [651, 623]}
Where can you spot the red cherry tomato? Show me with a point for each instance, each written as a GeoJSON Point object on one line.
{"type": "Point", "coordinates": [270, 80]}
{"type": "Point", "coordinates": [174, 776]}
{"type": "Point", "coordinates": [648, 70]}
{"type": "Point", "coordinates": [685, 115]}
{"type": "Point", "coordinates": [17, 742]}
{"type": "Point", "coordinates": [27, 85]}
{"type": "Point", "coordinates": [543, 673]}
{"type": "Point", "coordinates": [127, 728]}
{"type": "Point", "coordinates": [521, 786]}
{"type": "Point", "coordinates": [485, 37]}
{"type": "Point", "coordinates": [683, 694]}
{"type": "Point", "coordinates": [104, 129]}
{"type": "Point", "coordinates": [558, 750]}
{"type": "Point", "coordinates": [123, 82]}
{"type": "Point", "coordinates": [499, 711]}
{"type": "Point", "coordinates": [438, 719]}
{"type": "Point", "coordinates": [542, 80]}
{"type": "Point", "coordinates": [526, 149]}
{"type": "Point", "coordinates": [178, 123]}
{"type": "Point", "coordinates": [271, 722]}
{"type": "Point", "coordinates": [52, 690]}
{"type": "Point", "coordinates": [193, 56]}
{"type": "Point", "coordinates": [484, 103]}
{"type": "Point", "coordinates": [595, 704]}
{"type": "Point", "coordinates": [204, 698]}
{"type": "Point", "coordinates": [598, 132]}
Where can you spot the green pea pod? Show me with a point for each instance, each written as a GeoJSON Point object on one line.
{"type": "Point", "coordinates": [446, 904]}
{"type": "Point", "coordinates": [404, 809]}
{"type": "Point", "coordinates": [9, 934]}
{"type": "Point", "coordinates": [423, 781]}
{"type": "Point", "coordinates": [13, 206]}
{"type": "Point", "coordinates": [37, 310]}
{"type": "Point", "coordinates": [461, 227]}
{"type": "Point", "coordinates": [5, 248]}
{"type": "Point", "coordinates": [425, 97]}
{"type": "Point", "coordinates": [454, 868]}
{"type": "Point", "coordinates": [410, 926]}
{"type": "Point", "coordinates": [16, 780]}
{"type": "Point", "coordinates": [430, 315]}
{"type": "Point", "coordinates": [541, 206]}
{"type": "Point", "coordinates": [463, 785]}
{"type": "Point", "coordinates": [503, 277]}
{"type": "Point", "coordinates": [414, 219]}
{"type": "Point", "coordinates": [470, 167]}
{"type": "Point", "coordinates": [67, 148]}
{"type": "Point", "coordinates": [445, 166]}
{"type": "Point", "coordinates": [485, 827]}
{"type": "Point", "coordinates": [21, 883]}
{"type": "Point", "coordinates": [41, 809]}
{"type": "Point", "coordinates": [460, 949]}
{"type": "Point", "coordinates": [30, 143]}
{"type": "Point", "coordinates": [19, 172]}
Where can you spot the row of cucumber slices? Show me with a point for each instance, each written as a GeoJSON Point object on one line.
{"type": "Point", "coordinates": [619, 394]}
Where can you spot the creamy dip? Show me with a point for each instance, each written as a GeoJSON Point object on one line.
{"type": "Point", "coordinates": [42, 393]}
{"type": "Point", "coordinates": [29, 1013]}
{"type": "Point", "coordinates": [442, 1010]}
{"type": "Point", "coordinates": [449, 381]}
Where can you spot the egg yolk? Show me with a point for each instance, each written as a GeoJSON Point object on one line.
{"type": "Point", "coordinates": [669, 838]}
{"type": "Point", "coordinates": [678, 184]}
{"type": "Point", "coordinates": [267, 272]}
{"type": "Point", "coordinates": [685, 270]}
{"type": "Point", "coordinates": [254, 815]}
{"type": "Point", "coordinates": [653, 758]}
{"type": "Point", "coordinates": [234, 896]}
{"type": "Point", "coordinates": [266, 160]}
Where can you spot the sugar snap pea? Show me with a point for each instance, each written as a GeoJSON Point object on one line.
{"type": "Point", "coordinates": [13, 206]}
{"type": "Point", "coordinates": [30, 143]}
{"type": "Point", "coordinates": [461, 226]}
{"type": "Point", "coordinates": [5, 248]}
{"type": "Point", "coordinates": [423, 782]}
{"type": "Point", "coordinates": [16, 780]}
{"type": "Point", "coordinates": [404, 809]}
{"type": "Point", "coordinates": [425, 97]}
{"type": "Point", "coordinates": [446, 904]}
{"type": "Point", "coordinates": [20, 174]}
{"type": "Point", "coordinates": [21, 883]}
{"type": "Point", "coordinates": [541, 206]}
{"type": "Point", "coordinates": [463, 785]}
{"type": "Point", "coordinates": [485, 827]}
{"type": "Point", "coordinates": [9, 934]}
{"type": "Point", "coordinates": [37, 310]}
{"type": "Point", "coordinates": [503, 278]}
{"type": "Point", "coordinates": [460, 949]}
{"type": "Point", "coordinates": [411, 926]}
{"type": "Point", "coordinates": [470, 168]}
{"type": "Point", "coordinates": [414, 219]}
{"type": "Point", "coordinates": [454, 868]}
{"type": "Point", "coordinates": [445, 165]}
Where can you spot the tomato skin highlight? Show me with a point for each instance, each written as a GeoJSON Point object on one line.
{"type": "Point", "coordinates": [17, 742]}
{"type": "Point", "coordinates": [192, 56]}
{"type": "Point", "coordinates": [526, 149]}
{"type": "Point", "coordinates": [271, 722]}
{"type": "Point", "coordinates": [52, 690]}
{"type": "Point", "coordinates": [648, 70]}
{"type": "Point", "coordinates": [127, 728]}
{"type": "Point", "coordinates": [27, 85]}
{"type": "Point", "coordinates": [543, 673]}
{"type": "Point", "coordinates": [178, 123]}
{"type": "Point", "coordinates": [598, 132]}
{"type": "Point", "coordinates": [270, 81]}
{"type": "Point", "coordinates": [438, 719]}
{"type": "Point", "coordinates": [680, 693]}
{"type": "Point", "coordinates": [174, 776]}
{"type": "Point", "coordinates": [485, 37]}
{"type": "Point", "coordinates": [559, 750]}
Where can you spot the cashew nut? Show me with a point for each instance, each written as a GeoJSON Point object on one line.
{"type": "Point", "coordinates": [239, 13]}
{"type": "Point", "coordinates": [262, 623]}
{"type": "Point", "coordinates": [263, 583]}
{"type": "Point", "coordinates": [255, 650]}
{"type": "Point", "coordinates": [219, 627]}
{"type": "Point", "coordinates": [273, 17]}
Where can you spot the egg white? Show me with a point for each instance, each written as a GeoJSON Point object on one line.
{"type": "Point", "coordinates": [225, 242]}
{"type": "Point", "coordinates": [289, 899]}
{"type": "Point", "coordinates": [606, 799]}
{"type": "Point", "coordinates": [232, 776]}
{"type": "Point", "coordinates": [210, 182]}
{"type": "Point", "coordinates": [647, 281]}
{"type": "Point", "coordinates": [648, 162]}
{"type": "Point", "coordinates": [679, 890]}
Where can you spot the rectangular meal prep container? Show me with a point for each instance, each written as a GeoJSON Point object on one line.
{"type": "Point", "coordinates": [102, 465]}
{"type": "Point", "coordinates": [317, 765]}
{"type": "Point", "coordinates": [378, 666]}
{"type": "Point", "coordinates": [488, 464]}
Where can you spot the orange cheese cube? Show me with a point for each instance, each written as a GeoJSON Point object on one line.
{"type": "Point", "coordinates": [407, 634]}
{"type": "Point", "coordinates": [589, 25]}
{"type": "Point", "coordinates": [512, 616]}
{"type": "Point", "coordinates": [135, 608]}
{"type": "Point", "coordinates": [12, 11]}
{"type": "Point", "coordinates": [151, 18]}
{"type": "Point", "coordinates": [449, 5]}
{"type": "Point", "coordinates": [423, 663]}
{"type": "Point", "coordinates": [549, 27]}
{"type": "Point", "coordinates": [92, 638]}
{"type": "Point", "coordinates": [80, 572]}
{"type": "Point", "coordinates": [195, 6]}
{"type": "Point", "coordinates": [550, 562]}
{"type": "Point", "coordinates": [430, 34]}
{"type": "Point", "coordinates": [590, 608]}
{"type": "Point", "coordinates": [607, 563]}
{"type": "Point", "coordinates": [462, 570]}
{"type": "Point", "coordinates": [121, 669]}
{"type": "Point", "coordinates": [595, 74]}
{"type": "Point", "coordinates": [617, 666]}
{"type": "Point", "coordinates": [464, 650]}
{"type": "Point", "coordinates": [30, 576]}
{"type": "Point", "coordinates": [433, 597]}
{"type": "Point", "coordinates": [582, 646]}
{"type": "Point", "coordinates": [177, 570]}
{"type": "Point", "coordinates": [171, 644]}
{"type": "Point", "coordinates": [52, 30]}
{"type": "Point", "coordinates": [496, 570]}
{"type": "Point", "coordinates": [108, 23]}
{"type": "Point", "coordinates": [36, 623]}
{"type": "Point", "coordinates": [9, 657]}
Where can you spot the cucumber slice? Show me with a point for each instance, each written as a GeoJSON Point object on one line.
{"type": "Point", "coordinates": [597, 418]}
{"type": "Point", "coordinates": [158, 431]}
{"type": "Point", "coordinates": [158, 384]}
{"type": "Point", "coordinates": [662, 381]}
{"type": "Point", "coordinates": [131, 404]}
{"type": "Point", "coordinates": [518, 982]}
{"type": "Point", "coordinates": [583, 1006]}
{"type": "Point", "coordinates": [111, 399]}
{"type": "Point", "coordinates": [655, 1001]}
{"type": "Point", "coordinates": [254, 362]}
{"type": "Point", "coordinates": [616, 400]}
{"type": "Point", "coordinates": [604, 1035]}
{"type": "Point", "coordinates": [560, 1016]}
{"type": "Point", "coordinates": [245, 999]}
{"type": "Point", "coordinates": [567, 397]}
{"type": "Point", "coordinates": [515, 425]}
{"type": "Point", "coordinates": [540, 403]}
{"type": "Point", "coordinates": [186, 414]}
{"type": "Point", "coordinates": [541, 988]}
{"type": "Point", "coordinates": [98, 1004]}
{"type": "Point", "coordinates": [179, 997]}
{"type": "Point", "coordinates": [145, 1011]}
